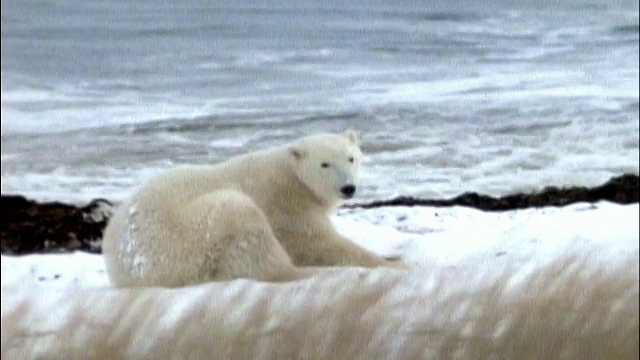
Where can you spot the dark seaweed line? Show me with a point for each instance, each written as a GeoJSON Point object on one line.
{"type": "Point", "coordinates": [29, 227]}
{"type": "Point", "coordinates": [622, 190]}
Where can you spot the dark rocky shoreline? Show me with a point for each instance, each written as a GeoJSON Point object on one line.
{"type": "Point", "coordinates": [29, 227]}
{"type": "Point", "coordinates": [622, 190]}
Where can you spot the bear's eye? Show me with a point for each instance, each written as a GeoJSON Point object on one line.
{"type": "Point", "coordinates": [325, 165]}
{"type": "Point", "coordinates": [351, 159]}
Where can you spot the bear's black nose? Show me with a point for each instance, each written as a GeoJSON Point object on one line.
{"type": "Point", "coordinates": [348, 191]}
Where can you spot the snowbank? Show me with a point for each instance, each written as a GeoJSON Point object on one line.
{"type": "Point", "coordinates": [536, 283]}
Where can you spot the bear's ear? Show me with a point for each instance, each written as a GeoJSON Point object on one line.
{"type": "Point", "coordinates": [297, 152]}
{"type": "Point", "coordinates": [352, 136]}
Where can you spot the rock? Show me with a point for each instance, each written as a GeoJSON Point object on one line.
{"type": "Point", "coordinates": [621, 190]}
{"type": "Point", "coordinates": [31, 227]}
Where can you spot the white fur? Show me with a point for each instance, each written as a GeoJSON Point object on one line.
{"type": "Point", "coordinates": [261, 215]}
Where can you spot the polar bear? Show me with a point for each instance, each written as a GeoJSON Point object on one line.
{"type": "Point", "coordinates": [262, 215]}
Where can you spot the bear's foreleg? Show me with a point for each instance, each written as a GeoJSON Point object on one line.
{"type": "Point", "coordinates": [318, 244]}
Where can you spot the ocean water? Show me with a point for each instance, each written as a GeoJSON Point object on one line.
{"type": "Point", "coordinates": [488, 96]}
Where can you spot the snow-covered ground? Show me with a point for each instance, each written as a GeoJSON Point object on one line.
{"type": "Point", "coordinates": [62, 305]}
{"type": "Point", "coordinates": [427, 237]}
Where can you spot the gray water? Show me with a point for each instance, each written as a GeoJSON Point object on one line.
{"type": "Point", "coordinates": [487, 96]}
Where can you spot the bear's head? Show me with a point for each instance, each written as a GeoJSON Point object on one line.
{"type": "Point", "coordinates": [328, 164]}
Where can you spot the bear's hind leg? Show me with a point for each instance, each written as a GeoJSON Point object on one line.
{"type": "Point", "coordinates": [235, 239]}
